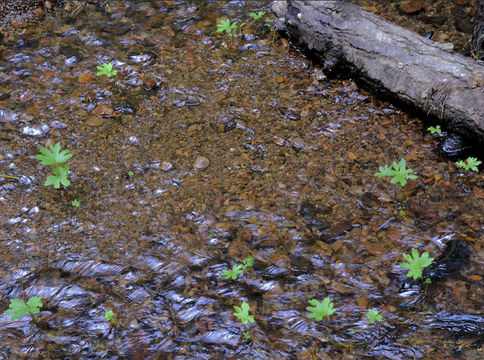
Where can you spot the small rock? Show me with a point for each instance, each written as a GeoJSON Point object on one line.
{"type": "Point", "coordinates": [103, 110]}
{"type": "Point", "coordinates": [149, 84]}
{"type": "Point", "coordinates": [201, 163]}
{"type": "Point", "coordinates": [192, 101]}
{"type": "Point", "coordinates": [166, 166]}
{"type": "Point", "coordinates": [94, 121]}
{"type": "Point", "coordinates": [412, 6]}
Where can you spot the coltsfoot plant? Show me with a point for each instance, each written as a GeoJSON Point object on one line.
{"type": "Point", "coordinates": [110, 317]}
{"type": "Point", "coordinates": [416, 263]}
{"type": "Point", "coordinates": [435, 130]}
{"type": "Point", "coordinates": [18, 307]}
{"type": "Point", "coordinates": [106, 69]}
{"type": "Point", "coordinates": [320, 309]}
{"type": "Point", "coordinates": [257, 16]}
{"type": "Point", "coordinates": [398, 171]}
{"type": "Point", "coordinates": [54, 156]}
{"type": "Point", "coordinates": [242, 313]}
{"type": "Point", "coordinates": [225, 25]}
{"type": "Point", "coordinates": [373, 316]}
{"type": "Point", "coordinates": [471, 163]}
{"type": "Point", "coordinates": [239, 269]}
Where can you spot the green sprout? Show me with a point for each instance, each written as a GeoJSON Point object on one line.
{"type": "Point", "coordinates": [373, 316]}
{"type": "Point", "coordinates": [434, 130]}
{"type": "Point", "coordinates": [236, 270]}
{"type": "Point", "coordinates": [54, 156]}
{"type": "Point", "coordinates": [19, 308]}
{"type": "Point", "coordinates": [130, 173]}
{"type": "Point", "coordinates": [248, 262]}
{"type": "Point", "coordinates": [399, 172]}
{"type": "Point", "coordinates": [242, 313]}
{"type": "Point", "coordinates": [239, 269]}
{"type": "Point", "coordinates": [225, 25]}
{"type": "Point", "coordinates": [471, 163]}
{"type": "Point", "coordinates": [75, 203]}
{"type": "Point", "coordinates": [110, 317]}
{"type": "Point", "coordinates": [416, 263]}
{"type": "Point", "coordinates": [320, 309]}
{"type": "Point", "coordinates": [106, 69]}
{"type": "Point", "coordinates": [257, 16]}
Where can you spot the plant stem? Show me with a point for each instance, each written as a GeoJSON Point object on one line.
{"type": "Point", "coordinates": [9, 177]}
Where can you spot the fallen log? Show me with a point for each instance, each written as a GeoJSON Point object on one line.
{"type": "Point", "coordinates": [390, 60]}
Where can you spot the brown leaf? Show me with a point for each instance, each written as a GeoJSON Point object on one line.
{"type": "Point", "coordinates": [85, 77]}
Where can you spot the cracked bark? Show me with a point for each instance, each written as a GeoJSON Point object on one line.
{"type": "Point", "coordinates": [389, 60]}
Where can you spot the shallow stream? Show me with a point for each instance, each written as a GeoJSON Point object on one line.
{"type": "Point", "coordinates": [203, 150]}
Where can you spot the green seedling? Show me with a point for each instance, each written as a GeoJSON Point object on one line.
{"type": "Point", "coordinates": [106, 69]}
{"type": "Point", "coordinates": [110, 317]}
{"type": "Point", "coordinates": [257, 16]}
{"type": "Point", "coordinates": [19, 308]}
{"type": "Point", "coordinates": [54, 156]}
{"type": "Point", "coordinates": [247, 263]}
{"type": "Point", "coordinates": [434, 130]}
{"type": "Point", "coordinates": [237, 269]}
{"type": "Point", "coordinates": [75, 203]}
{"type": "Point", "coordinates": [130, 173]}
{"type": "Point", "coordinates": [399, 172]}
{"type": "Point", "coordinates": [373, 316]}
{"type": "Point", "coordinates": [471, 163]}
{"type": "Point", "coordinates": [225, 25]}
{"type": "Point", "coordinates": [320, 309]}
{"type": "Point", "coordinates": [416, 263]}
{"type": "Point", "coordinates": [242, 313]}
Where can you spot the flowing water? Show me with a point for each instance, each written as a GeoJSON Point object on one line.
{"type": "Point", "coordinates": [203, 150]}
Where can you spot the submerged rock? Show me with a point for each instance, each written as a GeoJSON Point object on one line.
{"type": "Point", "coordinates": [452, 146]}
{"type": "Point", "coordinates": [456, 255]}
{"type": "Point", "coordinates": [201, 163]}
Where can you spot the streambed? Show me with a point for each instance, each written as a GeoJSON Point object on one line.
{"type": "Point", "coordinates": [203, 150]}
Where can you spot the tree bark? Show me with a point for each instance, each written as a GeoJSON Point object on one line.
{"type": "Point", "coordinates": [390, 60]}
{"type": "Point", "coordinates": [477, 42]}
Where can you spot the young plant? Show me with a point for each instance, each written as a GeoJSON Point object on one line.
{"type": "Point", "coordinates": [373, 316]}
{"type": "Point", "coordinates": [232, 275]}
{"type": "Point", "coordinates": [110, 317]}
{"type": "Point", "coordinates": [54, 156]}
{"type": "Point", "coordinates": [75, 203]}
{"type": "Point", "coordinates": [239, 269]}
{"type": "Point", "coordinates": [399, 172]}
{"type": "Point", "coordinates": [257, 16]}
{"type": "Point", "coordinates": [225, 25]}
{"type": "Point", "coordinates": [471, 163]}
{"type": "Point", "coordinates": [320, 309]}
{"type": "Point", "coordinates": [434, 130]}
{"type": "Point", "coordinates": [19, 308]}
{"type": "Point", "coordinates": [130, 174]}
{"type": "Point", "coordinates": [242, 313]}
{"type": "Point", "coordinates": [416, 263]}
{"type": "Point", "coordinates": [106, 69]}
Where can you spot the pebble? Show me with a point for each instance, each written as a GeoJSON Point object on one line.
{"type": "Point", "coordinates": [94, 121]}
{"type": "Point", "coordinates": [166, 166]}
{"type": "Point", "coordinates": [192, 101]}
{"type": "Point", "coordinates": [201, 163]}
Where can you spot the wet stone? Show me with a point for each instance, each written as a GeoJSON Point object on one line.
{"type": "Point", "coordinates": [192, 101]}
{"type": "Point", "coordinates": [452, 146]}
{"type": "Point", "coordinates": [94, 121]}
{"type": "Point", "coordinates": [166, 166]}
{"type": "Point", "coordinates": [201, 163]}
